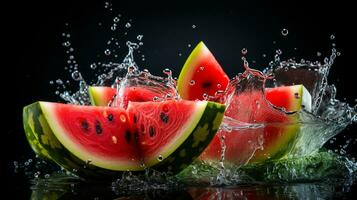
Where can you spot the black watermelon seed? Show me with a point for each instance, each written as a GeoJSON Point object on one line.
{"type": "Point", "coordinates": [85, 125]}
{"type": "Point", "coordinates": [142, 128]}
{"type": "Point", "coordinates": [206, 84]}
{"type": "Point", "coordinates": [134, 119]}
{"type": "Point", "coordinates": [164, 118]}
{"type": "Point", "coordinates": [128, 136]}
{"type": "Point", "coordinates": [98, 127]}
{"type": "Point", "coordinates": [151, 131]}
{"type": "Point", "coordinates": [110, 117]}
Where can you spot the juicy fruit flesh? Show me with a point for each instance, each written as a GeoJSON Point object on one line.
{"type": "Point", "coordinates": [201, 75]}
{"type": "Point", "coordinates": [98, 135]}
{"type": "Point", "coordinates": [160, 126]}
{"type": "Point", "coordinates": [273, 140]}
{"type": "Point", "coordinates": [101, 96]}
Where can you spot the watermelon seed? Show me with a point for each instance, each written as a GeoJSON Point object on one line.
{"type": "Point", "coordinates": [134, 119]}
{"type": "Point", "coordinates": [85, 125]}
{"type": "Point", "coordinates": [142, 128]}
{"type": "Point", "coordinates": [98, 127]}
{"type": "Point", "coordinates": [206, 84]}
{"type": "Point", "coordinates": [110, 117]}
{"type": "Point", "coordinates": [164, 118]}
{"type": "Point", "coordinates": [151, 131]}
{"type": "Point", "coordinates": [127, 136]}
{"type": "Point", "coordinates": [114, 139]}
{"type": "Point", "coordinates": [122, 118]}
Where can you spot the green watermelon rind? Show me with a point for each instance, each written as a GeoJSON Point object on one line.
{"type": "Point", "coordinates": [45, 144]}
{"type": "Point", "coordinates": [195, 144]}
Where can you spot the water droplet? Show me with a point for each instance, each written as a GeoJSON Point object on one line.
{"type": "Point", "coordinates": [68, 35]}
{"type": "Point", "coordinates": [155, 98]}
{"type": "Point", "coordinates": [51, 82]}
{"type": "Point", "coordinates": [205, 96]}
{"type": "Point", "coordinates": [76, 75]}
{"type": "Point", "coordinates": [264, 55]}
{"type": "Point", "coordinates": [67, 44]}
{"type": "Point", "coordinates": [193, 26]}
{"type": "Point", "coordinates": [192, 82]}
{"type": "Point", "coordinates": [167, 71]}
{"type": "Point", "coordinates": [116, 19]}
{"type": "Point", "coordinates": [332, 37]}
{"type": "Point", "coordinates": [338, 53]}
{"type": "Point", "coordinates": [189, 45]}
{"type": "Point", "coordinates": [160, 158]}
{"type": "Point", "coordinates": [244, 51]}
{"type": "Point", "coordinates": [139, 37]}
{"type": "Point", "coordinates": [93, 66]}
{"type": "Point", "coordinates": [59, 81]}
{"type": "Point", "coordinates": [107, 52]}
{"type": "Point", "coordinates": [279, 52]}
{"type": "Point", "coordinates": [285, 32]}
{"type": "Point", "coordinates": [180, 54]}
{"type": "Point", "coordinates": [127, 25]}
{"type": "Point", "coordinates": [88, 161]}
{"type": "Point", "coordinates": [333, 44]}
{"type": "Point", "coordinates": [318, 54]}
{"type": "Point", "coordinates": [113, 28]}
{"type": "Point", "coordinates": [219, 85]}
{"type": "Point", "coordinates": [71, 49]}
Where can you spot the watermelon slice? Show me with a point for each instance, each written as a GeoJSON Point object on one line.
{"type": "Point", "coordinates": [97, 141]}
{"type": "Point", "coordinates": [280, 130]}
{"type": "Point", "coordinates": [201, 75]}
{"type": "Point", "coordinates": [102, 96]}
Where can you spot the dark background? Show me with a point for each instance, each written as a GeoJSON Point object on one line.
{"type": "Point", "coordinates": [33, 54]}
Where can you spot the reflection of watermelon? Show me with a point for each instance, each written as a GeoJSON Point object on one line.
{"type": "Point", "coordinates": [95, 141]}
{"type": "Point", "coordinates": [280, 130]}
{"type": "Point", "coordinates": [102, 96]}
{"type": "Point", "coordinates": [240, 147]}
{"type": "Point", "coordinates": [201, 75]}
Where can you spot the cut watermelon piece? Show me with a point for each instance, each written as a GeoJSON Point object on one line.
{"type": "Point", "coordinates": [102, 96]}
{"type": "Point", "coordinates": [107, 140]}
{"type": "Point", "coordinates": [201, 75]}
{"type": "Point", "coordinates": [280, 130]}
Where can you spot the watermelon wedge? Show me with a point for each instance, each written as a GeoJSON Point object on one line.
{"type": "Point", "coordinates": [272, 141]}
{"type": "Point", "coordinates": [100, 95]}
{"type": "Point", "coordinates": [100, 141]}
{"type": "Point", "coordinates": [201, 75]}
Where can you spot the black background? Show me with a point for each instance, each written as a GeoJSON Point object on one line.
{"type": "Point", "coordinates": [33, 54]}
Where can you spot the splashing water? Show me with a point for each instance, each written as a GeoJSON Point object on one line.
{"type": "Point", "coordinates": [303, 159]}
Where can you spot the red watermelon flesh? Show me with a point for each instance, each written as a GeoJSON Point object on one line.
{"type": "Point", "coordinates": [201, 75]}
{"type": "Point", "coordinates": [99, 135]}
{"type": "Point", "coordinates": [159, 126]}
{"type": "Point", "coordinates": [273, 140]}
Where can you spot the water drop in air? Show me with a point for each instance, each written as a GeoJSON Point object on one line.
{"type": "Point", "coordinates": [160, 158]}
{"type": "Point", "coordinates": [244, 51]}
{"type": "Point", "coordinates": [116, 19]}
{"type": "Point", "coordinates": [332, 37]}
{"type": "Point", "coordinates": [139, 37]}
{"type": "Point", "coordinates": [76, 75]}
{"type": "Point", "coordinates": [107, 52]}
{"type": "Point", "coordinates": [284, 32]}
{"type": "Point", "coordinates": [93, 66]}
{"type": "Point", "coordinates": [192, 82]}
{"type": "Point", "coordinates": [127, 25]}
{"type": "Point", "coordinates": [193, 26]}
